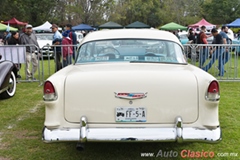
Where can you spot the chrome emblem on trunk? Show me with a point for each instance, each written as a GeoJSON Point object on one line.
{"type": "Point", "coordinates": [124, 95]}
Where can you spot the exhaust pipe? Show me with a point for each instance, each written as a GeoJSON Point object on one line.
{"type": "Point", "coordinates": [80, 146]}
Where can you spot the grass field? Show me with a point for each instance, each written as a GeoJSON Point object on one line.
{"type": "Point", "coordinates": [22, 120]}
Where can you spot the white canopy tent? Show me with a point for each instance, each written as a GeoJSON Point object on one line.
{"type": "Point", "coordinates": [45, 27]}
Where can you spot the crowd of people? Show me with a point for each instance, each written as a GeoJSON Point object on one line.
{"type": "Point", "coordinates": [63, 44]}
{"type": "Point", "coordinates": [220, 53]}
{"type": "Point", "coordinates": [64, 47]}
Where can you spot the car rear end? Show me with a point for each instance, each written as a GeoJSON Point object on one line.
{"type": "Point", "coordinates": [132, 90]}
{"type": "Point", "coordinates": [116, 108]}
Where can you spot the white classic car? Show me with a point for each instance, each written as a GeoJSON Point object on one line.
{"type": "Point", "coordinates": [45, 42]}
{"type": "Point", "coordinates": [131, 85]}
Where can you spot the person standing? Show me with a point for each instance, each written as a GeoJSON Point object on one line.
{"type": "Point", "coordinates": [191, 36]}
{"type": "Point", "coordinates": [202, 39]}
{"type": "Point", "coordinates": [226, 40]}
{"type": "Point", "coordinates": [57, 39]}
{"type": "Point", "coordinates": [30, 40]}
{"type": "Point", "coordinates": [6, 37]}
{"type": "Point", "coordinates": [14, 40]}
{"type": "Point", "coordinates": [217, 53]}
{"type": "Point", "coordinates": [73, 37]}
{"type": "Point", "coordinates": [67, 48]}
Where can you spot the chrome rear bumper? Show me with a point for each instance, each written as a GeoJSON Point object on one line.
{"type": "Point", "coordinates": [174, 134]}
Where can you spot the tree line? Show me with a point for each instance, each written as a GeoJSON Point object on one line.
{"type": "Point", "coordinates": [96, 12]}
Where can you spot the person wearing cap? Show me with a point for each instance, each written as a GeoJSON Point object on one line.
{"type": "Point", "coordinates": [30, 40]}
{"type": "Point", "coordinates": [73, 37]}
{"type": "Point", "coordinates": [67, 49]}
{"type": "Point", "coordinates": [57, 39]}
{"type": "Point", "coordinates": [57, 34]}
{"type": "Point", "coordinates": [217, 53]}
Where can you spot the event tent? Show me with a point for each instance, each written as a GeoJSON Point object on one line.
{"type": "Point", "coordinates": [82, 27]}
{"type": "Point", "coordinates": [173, 26]}
{"type": "Point", "coordinates": [110, 25]}
{"type": "Point", "coordinates": [137, 24]}
{"type": "Point", "coordinates": [4, 27]}
{"type": "Point", "coordinates": [202, 22]}
{"type": "Point", "coordinates": [15, 22]}
{"type": "Point", "coordinates": [44, 27]}
{"type": "Point", "coordinates": [235, 23]}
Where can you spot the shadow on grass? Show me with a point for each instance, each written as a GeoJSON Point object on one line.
{"type": "Point", "coordinates": [126, 150]}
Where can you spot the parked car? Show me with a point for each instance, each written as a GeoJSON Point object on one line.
{"type": "Point", "coordinates": [183, 37]}
{"type": "Point", "coordinates": [45, 42]}
{"type": "Point", "coordinates": [8, 73]}
{"type": "Point", "coordinates": [139, 88]}
{"type": "Point", "coordinates": [79, 36]}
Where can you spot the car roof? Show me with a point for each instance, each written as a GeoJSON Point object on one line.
{"type": "Point", "coordinates": [131, 33]}
{"type": "Point", "coordinates": [43, 33]}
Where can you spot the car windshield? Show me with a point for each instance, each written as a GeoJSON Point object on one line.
{"type": "Point", "coordinates": [44, 36]}
{"type": "Point", "coordinates": [131, 50]}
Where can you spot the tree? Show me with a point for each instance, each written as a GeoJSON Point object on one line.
{"type": "Point", "coordinates": [221, 11]}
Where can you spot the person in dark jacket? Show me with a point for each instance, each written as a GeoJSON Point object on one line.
{"type": "Point", "coordinates": [217, 53]}
{"type": "Point", "coordinates": [191, 36]}
{"type": "Point", "coordinates": [14, 40]}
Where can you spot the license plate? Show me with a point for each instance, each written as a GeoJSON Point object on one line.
{"type": "Point", "coordinates": [131, 114]}
{"type": "Point", "coordinates": [130, 58]}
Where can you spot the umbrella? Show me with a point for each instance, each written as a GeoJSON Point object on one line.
{"type": "Point", "coordinates": [235, 23]}
{"type": "Point", "coordinates": [110, 25]}
{"type": "Point", "coordinates": [4, 27]}
{"type": "Point", "coordinates": [173, 26]}
{"type": "Point", "coordinates": [82, 27]}
{"type": "Point", "coordinates": [137, 24]}
{"type": "Point", "coordinates": [14, 21]}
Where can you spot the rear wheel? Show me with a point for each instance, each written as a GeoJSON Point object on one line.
{"type": "Point", "coordinates": [10, 92]}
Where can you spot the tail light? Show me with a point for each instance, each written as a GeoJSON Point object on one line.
{"type": "Point", "coordinates": [49, 93]}
{"type": "Point", "coordinates": [213, 93]}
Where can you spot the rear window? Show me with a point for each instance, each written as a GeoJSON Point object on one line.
{"type": "Point", "coordinates": [131, 50]}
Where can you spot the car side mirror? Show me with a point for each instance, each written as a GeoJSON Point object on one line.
{"type": "Point", "coordinates": [0, 56]}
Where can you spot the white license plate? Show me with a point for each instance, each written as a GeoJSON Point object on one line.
{"type": "Point", "coordinates": [131, 114]}
{"type": "Point", "coordinates": [130, 58]}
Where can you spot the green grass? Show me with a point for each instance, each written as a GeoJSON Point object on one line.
{"type": "Point", "coordinates": [22, 120]}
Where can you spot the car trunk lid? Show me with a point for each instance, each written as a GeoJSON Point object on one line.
{"type": "Point", "coordinates": [162, 91]}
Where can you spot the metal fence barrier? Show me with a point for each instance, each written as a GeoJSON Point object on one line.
{"type": "Point", "coordinates": [27, 57]}
{"type": "Point", "coordinates": [219, 60]}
